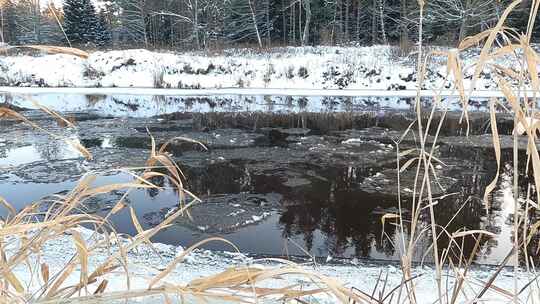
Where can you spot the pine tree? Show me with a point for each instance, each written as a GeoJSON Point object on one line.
{"type": "Point", "coordinates": [103, 34]}
{"type": "Point", "coordinates": [80, 21]}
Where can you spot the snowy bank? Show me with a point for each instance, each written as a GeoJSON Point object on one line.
{"type": "Point", "coordinates": [145, 263]}
{"type": "Point", "coordinates": [378, 68]}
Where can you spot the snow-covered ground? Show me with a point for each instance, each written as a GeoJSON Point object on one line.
{"type": "Point", "coordinates": [145, 263]}
{"type": "Point", "coordinates": [379, 68]}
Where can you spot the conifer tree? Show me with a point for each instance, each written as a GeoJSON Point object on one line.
{"type": "Point", "coordinates": [103, 34]}
{"type": "Point", "coordinates": [80, 21]}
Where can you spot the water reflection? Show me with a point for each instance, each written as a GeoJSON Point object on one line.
{"type": "Point", "coordinates": [149, 105]}
{"type": "Point", "coordinates": [322, 210]}
{"type": "Point", "coordinates": [49, 150]}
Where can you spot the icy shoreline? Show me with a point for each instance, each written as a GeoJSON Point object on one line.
{"type": "Point", "coordinates": [144, 264]}
{"type": "Point", "coordinates": [251, 92]}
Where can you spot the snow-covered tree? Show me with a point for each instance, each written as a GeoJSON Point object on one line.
{"type": "Point", "coordinates": [463, 15]}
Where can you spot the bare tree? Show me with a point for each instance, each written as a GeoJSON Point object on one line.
{"type": "Point", "coordinates": [381, 19]}
{"type": "Point", "coordinates": [374, 23]}
{"type": "Point", "coordinates": [193, 10]}
{"type": "Point", "coordinates": [404, 32]}
{"type": "Point", "coordinates": [254, 19]}
{"type": "Point", "coordinates": [134, 20]}
{"type": "Point", "coordinates": [465, 14]}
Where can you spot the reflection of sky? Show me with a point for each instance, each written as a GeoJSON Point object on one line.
{"type": "Point", "coordinates": [503, 240]}
{"type": "Point", "coordinates": [28, 154]}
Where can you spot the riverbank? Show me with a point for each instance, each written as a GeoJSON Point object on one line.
{"type": "Point", "coordinates": [145, 263]}
{"type": "Point", "coordinates": [379, 68]}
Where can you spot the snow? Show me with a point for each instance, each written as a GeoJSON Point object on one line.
{"type": "Point", "coordinates": [53, 70]}
{"type": "Point", "coordinates": [144, 264]}
{"type": "Point", "coordinates": [377, 68]}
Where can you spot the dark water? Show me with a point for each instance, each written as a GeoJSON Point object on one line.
{"type": "Point", "coordinates": [275, 181]}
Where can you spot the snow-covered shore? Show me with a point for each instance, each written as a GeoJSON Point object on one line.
{"type": "Point", "coordinates": [376, 68]}
{"type": "Point", "coordinates": [144, 264]}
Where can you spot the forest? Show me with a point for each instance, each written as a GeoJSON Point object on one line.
{"type": "Point", "coordinates": [218, 24]}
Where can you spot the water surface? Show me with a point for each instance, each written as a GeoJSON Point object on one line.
{"type": "Point", "coordinates": [283, 175]}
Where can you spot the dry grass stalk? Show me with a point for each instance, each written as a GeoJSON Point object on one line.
{"type": "Point", "coordinates": [50, 50]}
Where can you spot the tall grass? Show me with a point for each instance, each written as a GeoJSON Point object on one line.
{"type": "Point", "coordinates": [31, 228]}
{"type": "Point", "coordinates": [494, 43]}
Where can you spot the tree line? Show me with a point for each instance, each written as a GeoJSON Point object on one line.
{"type": "Point", "coordinates": [208, 24]}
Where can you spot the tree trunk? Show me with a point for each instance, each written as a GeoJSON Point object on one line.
{"type": "Point", "coordinates": [381, 13]}
{"type": "Point", "coordinates": [300, 21]}
{"type": "Point", "coordinates": [347, 13]}
{"type": "Point", "coordinates": [37, 21]}
{"type": "Point", "coordinates": [374, 23]}
{"type": "Point", "coordinates": [339, 4]}
{"type": "Point", "coordinates": [404, 37]}
{"type": "Point", "coordinates": [333, 33]}
{"type": "Point", "coordinates": [307, 7]}
{"type": "Point", "coordinates": [2, 24]}
{"type": "Point", "coordinates": [463, 25]}
{"type": "Point", "coordinates": [268, 26]}
{"type": "Point", "coordinates": [284, 20]}
{"type": "Point", "coordinates": [255, 26]}
{"type": "Point", "coordinates": [358, 14]}
{"type": "Point", "coordinates": [143, 22]}
{"type": "Point", "coordinates": [293, 23]}
{"type": "Point", "coordinates": [196, 24]}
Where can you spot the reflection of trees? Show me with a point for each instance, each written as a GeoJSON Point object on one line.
{"type": "Point", "coordinates": [218, 178]}
{"type": "Point", "coordinates": [158, 181]}
{"type": "Point", "coordinates": [334, 205]}
{"type": "Point", "coordinates": [48, 149]}
{"type": "Point", "coordinates": [340, 211]}
{"type": "Point", "coordinates": [3, 151]}
{"type": "Point", "coordinates": [345, 222]}
{"type": "Point", "coordinates": [472, 186]}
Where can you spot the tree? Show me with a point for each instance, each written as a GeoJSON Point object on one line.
{"type": "Point", "coordinates": [193, 10]}
{"type": "Point", "coordinates": [8, 25]}
{"type": "Point", "coordinates": [28, 24]}
{"type": "Point", "coordinates": [81, 24]}
{"type": "Point", "coordinates": [462, 14]}
{"type": "Point", "coordinates": [247, 21]}
{"type": "Point", "coordinates": [133, 20]}
{"type": "Point", "coordinates": [103, 33]}
{"type": "Point", "coordinates": [307, 7]}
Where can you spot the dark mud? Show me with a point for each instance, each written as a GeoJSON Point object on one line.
{"type": "Point", "coordinates": [270, 182]}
